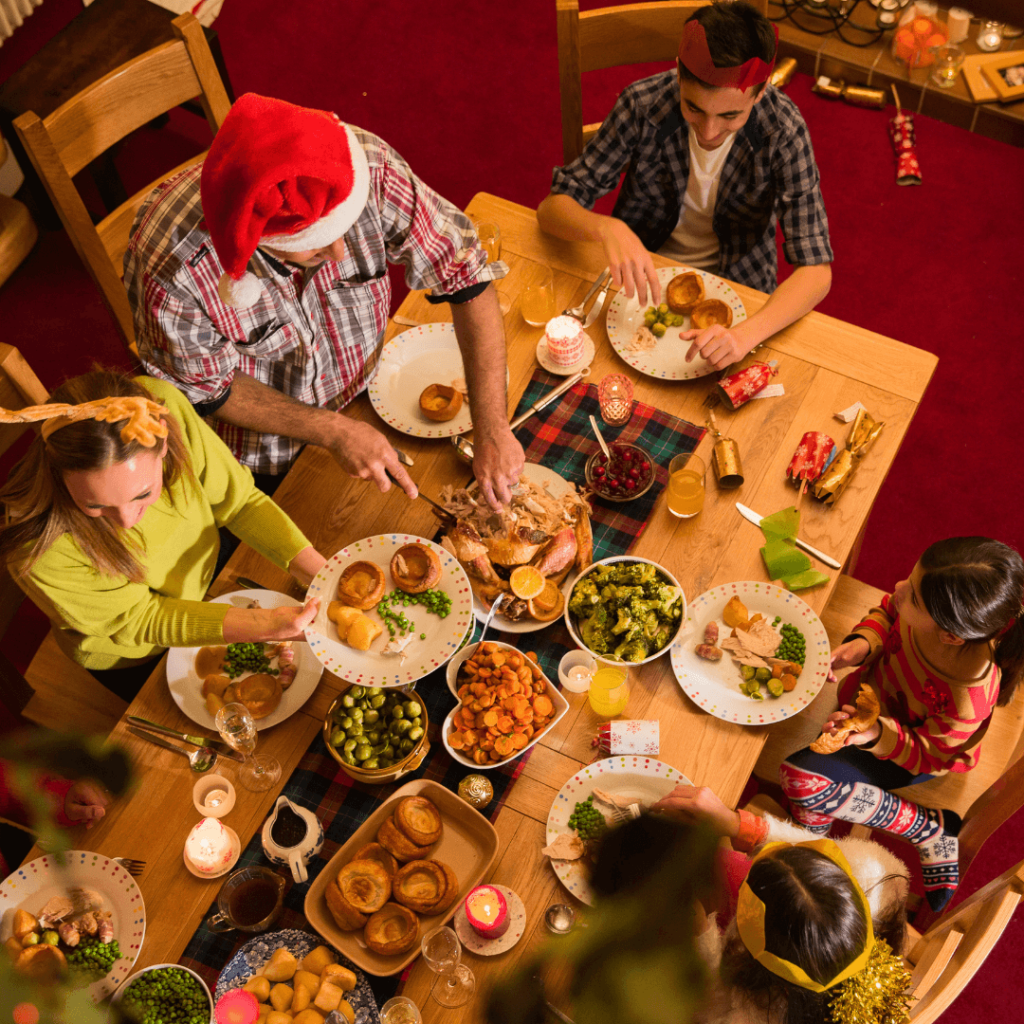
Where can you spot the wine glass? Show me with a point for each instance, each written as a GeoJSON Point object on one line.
{"type": "Point", "coordinates": [455, 983]}
{"type": "Point", "coordinates": [490, 238]}
{"type": "Point", "coordinates": [237, 729]}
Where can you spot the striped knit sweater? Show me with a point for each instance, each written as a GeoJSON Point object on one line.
{"type": "Point", "coordinates": [931, 723]}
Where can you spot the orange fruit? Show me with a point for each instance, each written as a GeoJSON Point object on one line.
{"type": "Point", "coordinates": [548, 604]}
{"type": "Point", "coordinates": [526, 582]}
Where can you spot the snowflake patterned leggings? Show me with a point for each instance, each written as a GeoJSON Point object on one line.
{"type": "Point", "coordinates": [853, 785]}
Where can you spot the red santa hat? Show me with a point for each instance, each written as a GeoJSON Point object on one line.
{"type": "Point", "coordinates": [281, 175]}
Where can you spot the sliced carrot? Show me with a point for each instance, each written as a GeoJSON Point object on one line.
{"type": "Point", "coordinates": [505, 724]}
{"type": "Point", "coordinates": [457, 740]}
{"type": "Point", "coordinates": [515, 660]}
{"type": "Point", "coordinates": [498, 660]}
{"type": "Point", "coordinates": [487, 743]}
{"type": "Point", "coordinates": [542, 705]}
{"type": "Point", "coordinates": [472, 737]}
{"type": "Point", "coordinates": [524, 674]}
{"type": "Point", "coordinates": [504, 746]}
{"type": "Point", "coordinates": [528, 732]}
{"type": "Point", "coordinates": [480, 756]}
{"type": "Point", "coordinates": [532, 655]}
{"type": "Point", "coordinates": [518, 740]}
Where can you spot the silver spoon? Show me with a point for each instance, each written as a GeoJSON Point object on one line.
{"type": "Point", "coordinates": [201, 760]}
{"type": "Point", "coordinates": [498, 601]}
{"type": "Point", "coordinates": [600, 439]}
{"type": "Point", "coordinates": [560, 918]}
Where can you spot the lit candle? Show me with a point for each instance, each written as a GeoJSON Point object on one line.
{"type": "Point", "coordinates": [216, 797]}
{"type": "Point", "coordinates": [565, 340]}
{"type": "Point", "coordinates": [487, 912]}
{"type": "Point", "coordinates": [237, 1007]}
{"type": "Point", "coordinates": [208, 846]}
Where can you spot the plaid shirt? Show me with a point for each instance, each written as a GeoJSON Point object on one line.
{"type": "Point", "coordinates": [769, 175]}
{"type": "Point", "coordinates": [315, 334]}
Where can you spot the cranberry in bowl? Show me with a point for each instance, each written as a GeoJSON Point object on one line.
{"type": "Point", "coordinates": [625, 476]}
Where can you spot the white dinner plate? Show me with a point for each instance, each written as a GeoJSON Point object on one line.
{"type": "Point", "coordinates": [642, 779]}
{"type": "Point", "coordinates": [33, 884]}
{"type": "Point", "coordinates": [409, 362]}
{"type": "Point", "coordinates": [556, 486]}
{"type": "Point", "coordinates": [371, 668]}
{"type": "Point", "coordinates": [667, 359]}
{"type": "Point", "coordinates": [715, 685]}
{"type": "Point", "coordinates": [187, 688]}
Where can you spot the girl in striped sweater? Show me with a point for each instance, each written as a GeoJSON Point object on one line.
{"type": "Point", "coordinates": [940, 652]}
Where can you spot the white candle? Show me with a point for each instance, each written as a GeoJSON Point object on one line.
{"type": "Point", "coordinates": [564, 338]}
{"type": "Point", "coordinates": [216, 797]}
{"type": "Point", "coordinates": [958, 24]}
{"type": "Point", "coordinates": [208, 846]}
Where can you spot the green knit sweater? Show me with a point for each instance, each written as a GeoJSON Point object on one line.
{"type": "Point", "coordinates": [105, 622]}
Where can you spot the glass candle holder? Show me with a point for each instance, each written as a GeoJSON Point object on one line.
{"type": "Point", "coordinates": [990, 36]}
{"type": "Point", "coordinates": [948, 61]}
{"type": "Point", "coordinates": [615, 396]}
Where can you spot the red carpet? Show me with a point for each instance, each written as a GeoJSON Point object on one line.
{"type": "Point", "coordinates": [469, 95]}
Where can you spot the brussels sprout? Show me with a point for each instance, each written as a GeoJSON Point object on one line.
{"type": "Point", "coordinates": [747, 671]}
{"type": "Point", "coordinates": [50, 937]}
{"type": "Point", "coordinates": [375, 691]}
{"type": "Point", "coordinates": [32, 939]}
{"type": "Point", "coordinates": [663, 308]}
{"type": "Point", "coordinates": [349, 745]}
{"type": "Point", "coordinates": [762, 675]}
{"type": "Point", "coordinates": [775, 687]}
{"type": "Point", "coordinates": [370, 764]}
{"type": "Point", "coordinates": [406, 746]}
{"type": "Point", "coordinates": [349, 758]}
{"type": "Point", "coordinates": [400, 728]}
{"type": "Point", "coordinates": [658, 330]}
{"type": "Point", "coordinates": [413, 709]}
{"type": "Point", "coordinates": [348, 701]}
{"type": "Point", "coordinates": [377, 701]}
{"type": "Point", "coordinates": [355, 729]}
{"type": "Point", "coordinates": [384, 762]}
{"type": "Point", "coordinates": [397, 711]}
{"type": "Point", "coordinates": [416, 733]}
{"type": "Point", "coordinates": [373, 737]}
{"type": "Point", "coordinates": [363, 751]}
{"type": "Point", "coordinates": [347, 722]}
{"type": "Point", "coordinates": [356, 714]}
{"type": "Point", "coordinates": [338, 736]}
{"type": "Point", "coordinates": [356, 692]}
{"type": "Point", "coordinates": [371, 717]}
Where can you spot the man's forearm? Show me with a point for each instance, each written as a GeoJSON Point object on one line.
{"type": "Point", "coordinates": [480, 331]}
{"type": "Point", "coordinates": [563, 217]}
{"type": "Point", "coordinates": [794, 298]}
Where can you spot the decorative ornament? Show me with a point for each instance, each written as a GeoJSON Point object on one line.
{"type": "Point", "coordinates": [878, 995]}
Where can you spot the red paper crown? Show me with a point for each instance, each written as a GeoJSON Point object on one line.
{"type": "Point", "coordinates": [696, 57]}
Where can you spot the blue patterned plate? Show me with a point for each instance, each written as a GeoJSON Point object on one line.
{"type": "Point", "coordinates": [255, 953]}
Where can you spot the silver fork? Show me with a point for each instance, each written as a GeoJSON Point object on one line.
{"type": "Point", "coordinates": [133, 867]}
{"type": "Point", "coordinates": [578, 312]}
{"type": "Point", "coordinates": [624, 814]}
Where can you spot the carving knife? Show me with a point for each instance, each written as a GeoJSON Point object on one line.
{"type": "Point", "coordinates": [751, 516]}
{"type": "Point", "coordinates": [197, 741]}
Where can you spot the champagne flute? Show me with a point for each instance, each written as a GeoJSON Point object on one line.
{"type": "Point", "coordinates": [455, 983]}
{"type": "Point", "coordinates": [490, 238]}
{"type": "Point", "coordinates": [237, 729]}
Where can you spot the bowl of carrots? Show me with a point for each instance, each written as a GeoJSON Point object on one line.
{"type": "Point", "coordinates": [506, 704]}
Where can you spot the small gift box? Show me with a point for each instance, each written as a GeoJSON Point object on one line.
{"type": "Point", "coordinates": [741, 387]}
{"type": "Point", "coordinates": [628, 738]}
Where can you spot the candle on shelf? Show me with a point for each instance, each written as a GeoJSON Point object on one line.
{"type": "Point", "coordinates": [237, 1007]}
{"type": "Point", "coordinates": [565, 340]}
{"type": "Point", "coordinates": [958, 24]}
{"type": "Point", "coordinates": [208, 847]}
{"type": "Point", "coordinates": [990, 36]}
{"type": "Point", "coordinates": [487, 912]}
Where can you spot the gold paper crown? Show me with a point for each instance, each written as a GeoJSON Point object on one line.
{"type": "Point", "coordinates": [143, 415]}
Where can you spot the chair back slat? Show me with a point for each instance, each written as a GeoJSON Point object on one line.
{"type": "Point", "coordinates": [633, 34]}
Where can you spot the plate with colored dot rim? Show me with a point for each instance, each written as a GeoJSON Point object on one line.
{"type": "Point", "coordinates": [644, 780]}
{"type": "Point", "coordinates": [441, 638]}
{"type": "Point", "coordinates": [715, 685]}
{"type": "Point", "coordinates": [667, 360]}
{"type": "Point", "coordinates": [32, 885]}
{"type": "Point", "coordinates": [475, 942]}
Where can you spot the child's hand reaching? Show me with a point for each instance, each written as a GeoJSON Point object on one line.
{"type": "Point", "coordinates": [854, 739]}
{"type": "Point", "coordinates": [696, 804]}
{"type": "Point", "coordinates": [853, 652]}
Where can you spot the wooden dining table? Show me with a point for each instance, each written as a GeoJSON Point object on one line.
{"type": "Point", "coordinates": [825, 365]}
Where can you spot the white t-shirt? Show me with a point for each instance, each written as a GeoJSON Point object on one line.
{"type": "Point", "coordinates": [694, 241]}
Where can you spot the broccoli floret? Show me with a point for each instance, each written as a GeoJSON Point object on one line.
{"type": "Point", "coordinates": [617, 594]}
{"type": "Point", "coordinates": [631, 650]}
{"type": "Point", "coordinates": [594, 633]}
{"type": "Point", "coordinates": [602, 575]}
{"type": "Point", "coordinates": [651, 626]}
{"type": "Point", "coordinates": [662, 636]}
{"type": "Point", "coordinates": [625, 622]}
{"type": "Point", "coordinates": [584, 598]}
{"type": "Point", "coordinates": [639, 607]}
{"type": "Point", "coordinates": [670, 602]}
{"type": "Point", "coordinates": [636, 574]}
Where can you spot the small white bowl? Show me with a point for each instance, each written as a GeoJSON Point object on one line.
{"type": "Point", "coordinates": [571, 626]}
{"type": "Point", "coordinates": [560, 703]}
{"type": "Point", "coordinates": [124, 986]}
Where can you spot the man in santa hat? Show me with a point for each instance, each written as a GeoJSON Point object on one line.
{"type": "Point", "coordinates": [259, 286]}
{"type": "Point", "coordinates": [715, 158]}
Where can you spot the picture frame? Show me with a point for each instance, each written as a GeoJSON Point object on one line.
{"type": "Point", "coordinates": [1006, 75]}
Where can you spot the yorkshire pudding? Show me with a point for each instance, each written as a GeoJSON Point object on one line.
{"type": "Point", "coordinates": [420, 885]}
{"type": "Point", "coordinates": [365, 885]}
{"type": "Point", "coordinates": [260, 693]}
{"type": "Point", "coordinates": [398, 844]}
{"type": "Point", "coordinates": [451, 893]}
{"type": "Point", "coordinates": [374, 851]}
{"type": "Point", "coordinates": [41, 962]}
{"type": "Point", "coordinates": [393, 929]}
{"type": "Point", "coordinates": [440, 403]}
{"type": "Point", "coordinates": [684, 291]}
{"type": "Point", "coordinates": [548, 604]}
{"type": "Point", "coordinates": [415, 568]}
{"type": "Point", "coordinates": [420, 820]}
{"type": "Point", "coordinates": [708, 312]}
{"type": "Point", "coordinates": [361, 585]}
{"type": "Point", "coordinates": [346, 917]}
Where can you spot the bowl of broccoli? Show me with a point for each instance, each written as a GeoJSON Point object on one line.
{"type": "Point", "coordinates": [626, 609]}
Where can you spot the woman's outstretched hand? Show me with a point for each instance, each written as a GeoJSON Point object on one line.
{"type": "Point", "coordinates": [692, 804]}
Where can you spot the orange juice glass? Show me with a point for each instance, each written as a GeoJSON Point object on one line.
{"type": "Point", "coordinates": [686, 476]}
{"type": "Point", "coordinates": [537, 303]}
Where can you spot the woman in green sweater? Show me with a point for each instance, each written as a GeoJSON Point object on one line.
{"type": "Point", "coordinates": [111, 528]}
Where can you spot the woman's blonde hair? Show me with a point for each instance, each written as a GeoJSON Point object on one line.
{"type": "Point", "coordinates": [37, 506]}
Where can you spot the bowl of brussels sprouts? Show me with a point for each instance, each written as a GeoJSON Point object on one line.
{"type": "Point", "coordinates": [377, 735]}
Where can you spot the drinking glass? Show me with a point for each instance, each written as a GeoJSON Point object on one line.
{"type": "Point", "coordinates": [948, 61]}
{"type": "Point", "coordinates": [686, 475]}
{"type": "Point", "coordinates": [400, 1010]}
{"type": "Point", "coordinates": [537, 303]}
{"type": "Point", "coordinates": [490, 238]}
{"type": "Point", "coordinates": [442, 951]}
{"type": "Point", "coordinates": [237, 729]}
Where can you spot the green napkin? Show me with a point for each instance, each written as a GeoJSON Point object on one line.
{"type": "Point", "coordinates": [783, 560]}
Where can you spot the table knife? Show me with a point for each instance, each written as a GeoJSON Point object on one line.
{"type": "Point", "coordinates": [197, 741]}
{"type": "Point", "coordinates": [546, 399]}
{"type": "Point", "coordinates": [244, 581]}
{"type": "Point", "coordinates": [751, 516]}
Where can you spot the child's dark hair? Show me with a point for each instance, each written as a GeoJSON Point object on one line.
{"type": "Point", "coordinates": [813, 918]}
{"type": "Point", "coordinates": [735, 32]}
{"type": "Point", "coordinates": [973, 588]}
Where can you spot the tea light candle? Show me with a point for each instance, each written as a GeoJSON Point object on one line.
{"type": "Point", "coordinates": [208, 847]}
{"type": "Point", "coordinates": [990, 36]}
{"type": "Point", "coordinates": [213, 796]}
{"type": "Point", "coordinates": [487, 912]}
{"type": "Point", "coordinates": [958, 24]}
{"type": "Point", "coordinates": [237, 1007]}
{"type": "Point", "coordinates": [575, 671]}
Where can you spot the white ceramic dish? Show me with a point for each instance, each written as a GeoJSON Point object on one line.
{"type": "Point", "coordinates": [371, 668]}
{"type": "Point", "coordinates": [33, 884]}
{"type": "Point", "coordinates": [610, 561]}
{"type": "Point", "coordinates": [640, 778]}
{"type": "Point", "coordinates": [119, 994]}
{"type": "Point", "coordinates": [187, 688]}
{"type": "Point", "coordinates": [715, 685]}
{"type": "Point", "coordinates": [667, 360]}
{"type": "Point", "coordinates": [452, 672]}
{"type": "Point", "coordinates": [556, 486]}
{"type": "Point", "coordinates": [409, 362]}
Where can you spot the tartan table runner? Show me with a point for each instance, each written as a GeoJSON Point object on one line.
{"type": "Point", "coordinates": [558, 437]}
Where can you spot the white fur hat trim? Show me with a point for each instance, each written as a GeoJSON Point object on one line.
{"type": "Point", "coordinates": [240, 294]}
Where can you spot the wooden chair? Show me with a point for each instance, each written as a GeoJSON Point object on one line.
{"type": "Point", "coordinates": [88, 124]}
{"type": "Point", "coordinates": [611, 37]}
{"type": "Point", "coordinates": [17, 230]}
{"type": "Point", "coordinates": [54, 692]}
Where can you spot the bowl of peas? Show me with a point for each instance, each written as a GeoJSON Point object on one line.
{"type": "Point", "coordinates": [377, 735]}
{"type": "Point", "coordinates": [165, 994]}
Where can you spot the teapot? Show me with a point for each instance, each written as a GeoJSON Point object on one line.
{"type": "Point", "coordinates": [293, 836]}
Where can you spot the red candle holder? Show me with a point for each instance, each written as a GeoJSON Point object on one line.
{"type": "Point", "coordinates": [237, 1007]}
{"type": "Point", "coordinates": [487, 912]}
